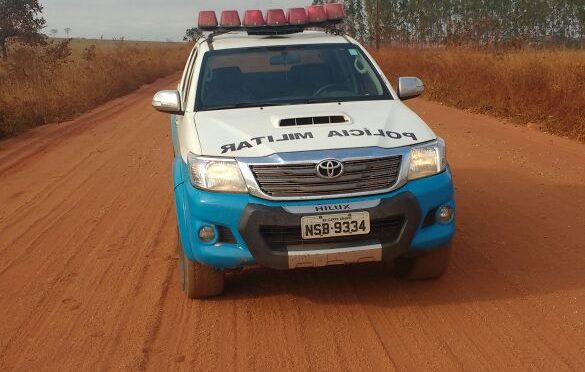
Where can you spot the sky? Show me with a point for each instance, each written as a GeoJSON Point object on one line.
{"type": "Point", "coordinates": [140, 19]}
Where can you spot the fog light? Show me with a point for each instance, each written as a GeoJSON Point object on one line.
{"type": "Point", "coordinates": [446, 214]}
{"type": "Point", "coordinates": [207, 234]}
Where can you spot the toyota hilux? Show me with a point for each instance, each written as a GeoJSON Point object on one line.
{"type": "Point", "coordinates": [293, 150]}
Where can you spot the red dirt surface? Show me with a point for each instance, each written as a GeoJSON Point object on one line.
{"type": "Point", "coordinates": [89, 277]}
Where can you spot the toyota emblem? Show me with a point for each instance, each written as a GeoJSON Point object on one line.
{"type": "Point", "coordinates": [330, 169]}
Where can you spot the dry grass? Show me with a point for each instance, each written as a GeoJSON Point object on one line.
{"type": "Point", "coordinates": [38, 87]}
{"type": "Point", "coordinates": [545, 87]}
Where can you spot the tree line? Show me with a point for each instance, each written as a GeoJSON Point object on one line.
{"type": "Point", "coordinates": [460, 22]}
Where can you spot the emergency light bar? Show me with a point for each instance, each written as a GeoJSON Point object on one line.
{"type": "Point", "coordinates": [230, 19]}
{"type": "Point", "coordinates": [254, 18]}
{"type": "Point", "coordinates": [335, 11]}
{"type": "Point", "coordinates": [316, 14]}
{"type": "Point", "coordinates": [207, 20]}
{"type": "Point", "coordinates": [275, 17]}
{"type": "Point", "coordinates": [275, 22]}
{"type": "Point", "coordinates": [297, 16]}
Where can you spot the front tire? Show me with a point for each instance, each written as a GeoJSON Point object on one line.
{"type": "Point", "coordinates": [424, 266]}
{"type": "Point", "coordinates": [198, 280]}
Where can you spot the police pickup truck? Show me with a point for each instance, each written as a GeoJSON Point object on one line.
{"type": "Point", "coordinates": [292, 150]}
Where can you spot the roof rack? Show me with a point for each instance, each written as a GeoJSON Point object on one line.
{"type": "Point", "coordinates": [273, 32]}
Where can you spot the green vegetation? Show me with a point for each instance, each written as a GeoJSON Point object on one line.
{"type": "Point", "coordinates": [20, 21]}
{"type": "Point", "coordinates": [461, 22]}
{"type": "Point", "coordinates": [193, 34]}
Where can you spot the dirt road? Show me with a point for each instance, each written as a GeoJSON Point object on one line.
{"type": "Point", "coordinates": [89, 278]}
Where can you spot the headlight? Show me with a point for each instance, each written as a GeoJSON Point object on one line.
{"type": "Point", "coordinates": [216, 174]}
{"type": "Point", "coordinates": [427, 160]}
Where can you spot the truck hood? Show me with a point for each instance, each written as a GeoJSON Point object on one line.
{"type": "Point", "coordinates": [257, 132]}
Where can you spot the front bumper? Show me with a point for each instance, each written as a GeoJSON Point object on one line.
{"type": "Point", "coordinates": [410, 207]}
{"type": "Point", "coordinates": [401, 213]}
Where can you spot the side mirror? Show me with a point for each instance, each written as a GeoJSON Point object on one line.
{"type": "Point", "coordinates": [168, 101]}
{"type": "Point", "coordinates": [410, 87]}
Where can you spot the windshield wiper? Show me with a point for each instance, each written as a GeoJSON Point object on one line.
{"type": "Point", "coordinates": [321, 100]}
{"type": "Point", "coordinates": [268, 104]}
{"type": "Point", "coordinates": [248, 105]}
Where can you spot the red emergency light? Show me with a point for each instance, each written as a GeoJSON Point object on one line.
{"type": "Point", "coordinates": [276, 22]}
{"type": "Point", "coordinates": [297, 16]}
{"type": "Point", "coordinates": [230, 19]}
{"type": "Point", "coordinates": [254, 18]}
{"type": "Point", "coordinates": [316, 14]}
{"type": "Point", "coordinates": [275, 17]}
{"type": "Point", "coordinates": [207, 20]}
{"type": "Point", "coordinates": [334, 11]}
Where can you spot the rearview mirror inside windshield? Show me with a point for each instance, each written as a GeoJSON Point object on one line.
{"type": "Point", "coordinates": [286, 59]}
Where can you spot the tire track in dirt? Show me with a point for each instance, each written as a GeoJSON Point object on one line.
{"type": "Point", "coordinates": [89, 278]}
{"type": "Point", "coordinates": [46, 192]}
{"type": "Point", "coordinates": [83, 243]}
{"type": "Point", "coordinates": [55, 134]}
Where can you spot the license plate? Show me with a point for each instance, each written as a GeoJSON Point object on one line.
{"type": "Point", "coordinates": [334, 225]}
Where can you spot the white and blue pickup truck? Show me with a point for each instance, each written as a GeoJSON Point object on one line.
{"type": "Point", "coordinates": [292, 150]}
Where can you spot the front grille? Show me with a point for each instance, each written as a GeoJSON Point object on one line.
{"type": "Point", "coordinates": [384, 230]}
{"type": "Point", "coordinates": [291, 180]}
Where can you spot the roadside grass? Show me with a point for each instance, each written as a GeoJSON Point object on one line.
{"type": "Point", "coordinates": [43, 85]}
{"type": "Point", "coordinates": [545, 87]}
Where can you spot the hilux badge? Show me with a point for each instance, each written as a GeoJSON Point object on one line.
{"type": "Point", "coordinates": [330, 169]}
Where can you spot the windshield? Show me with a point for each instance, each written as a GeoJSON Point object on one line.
{"type": "Point", "coordinates": [298, 74]}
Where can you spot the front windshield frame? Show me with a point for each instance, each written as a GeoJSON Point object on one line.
{"type": "Point", "coordinates": [386, 94]}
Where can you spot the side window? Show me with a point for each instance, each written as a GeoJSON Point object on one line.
{"type": "Point", "coordinates": [188, 79]}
